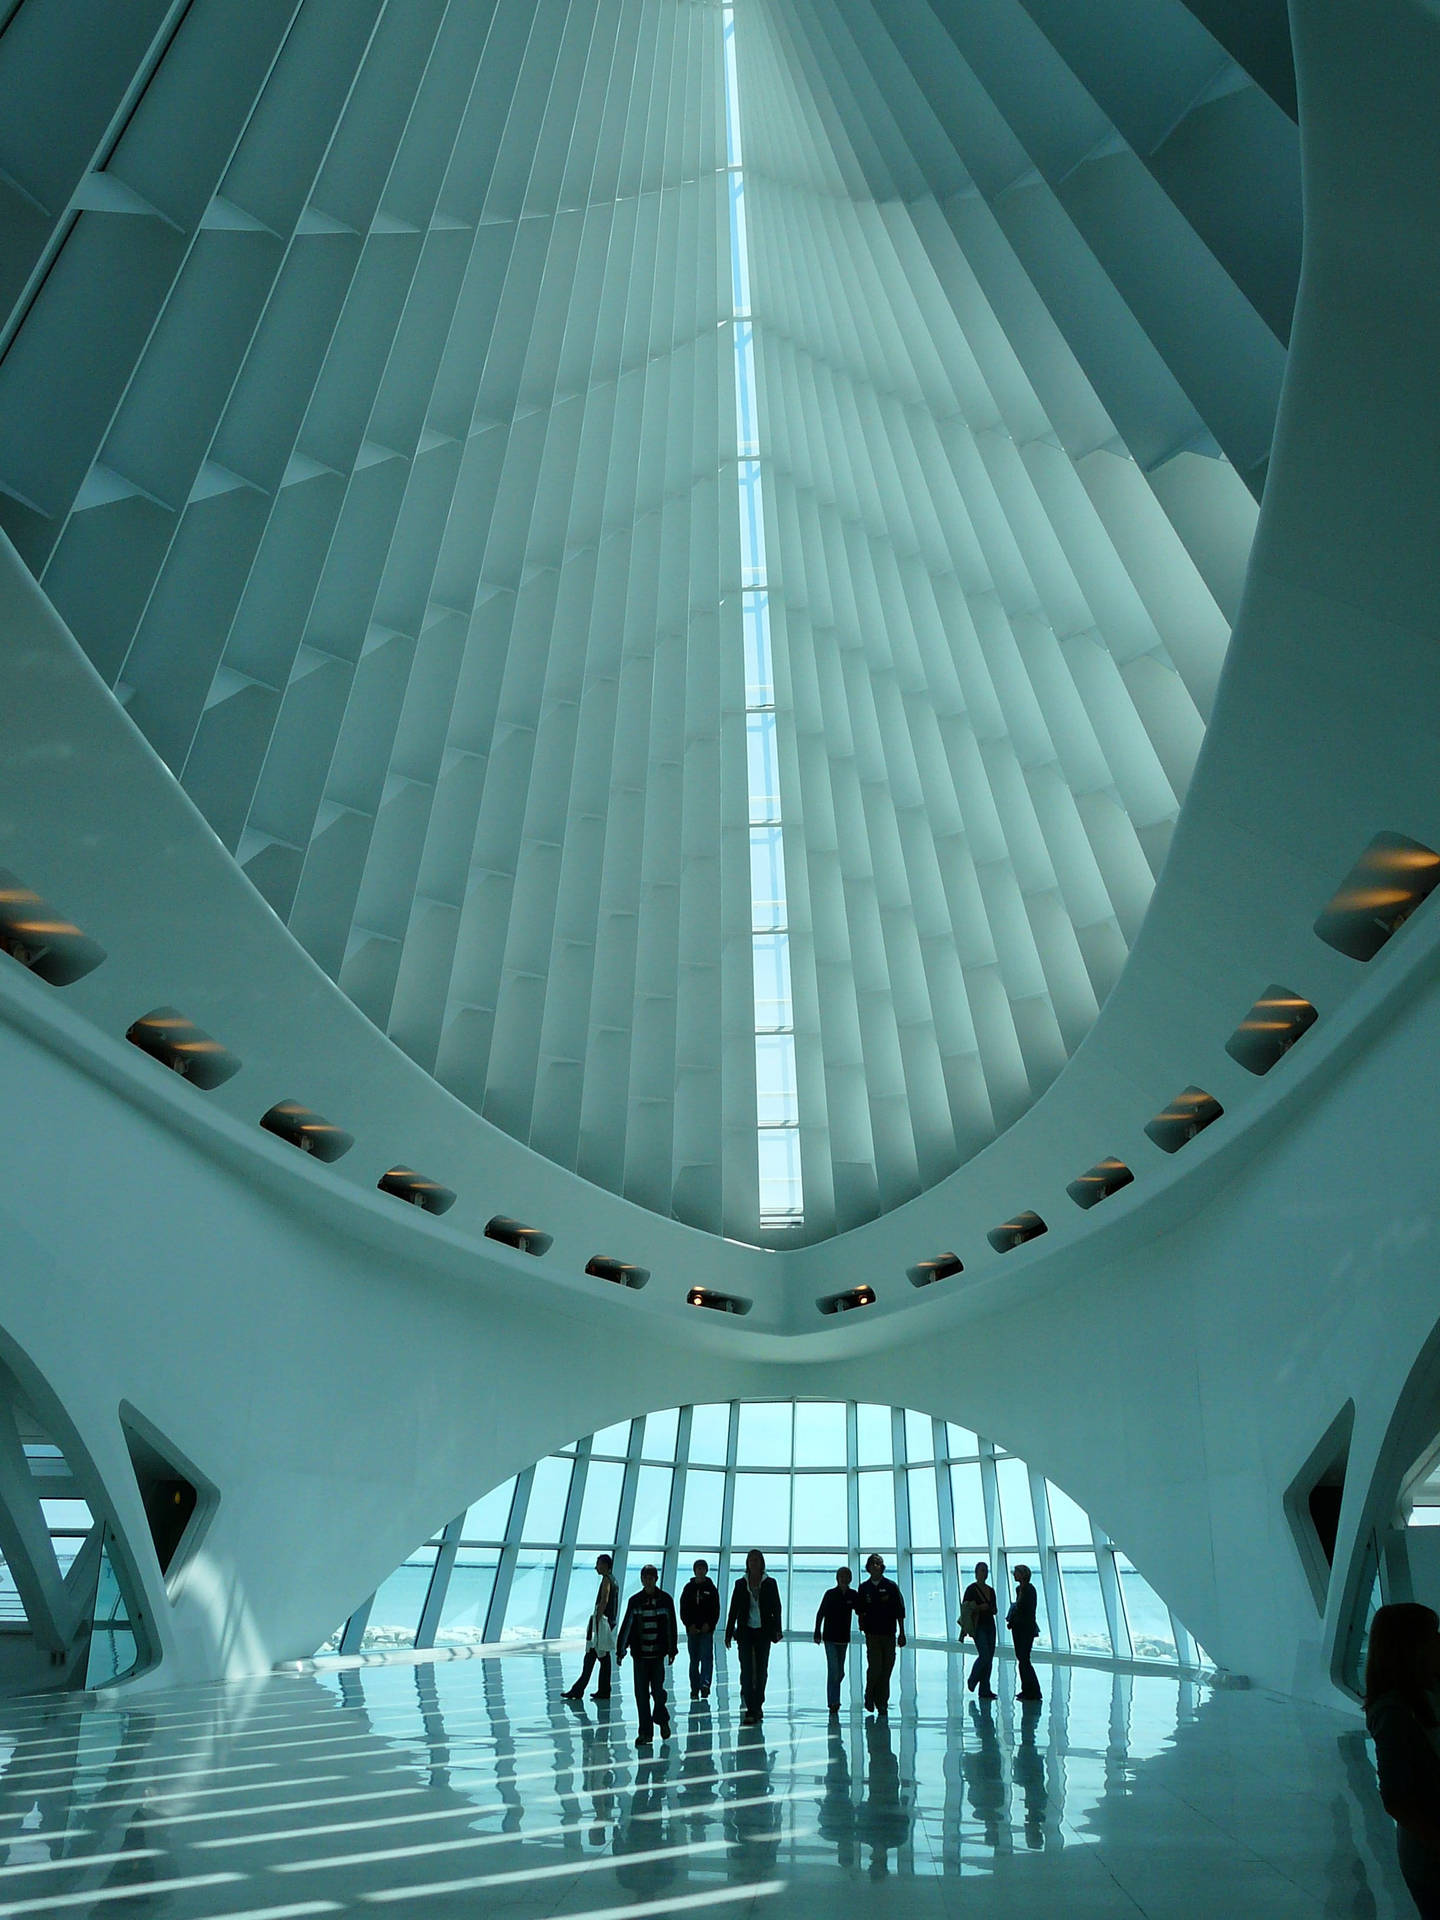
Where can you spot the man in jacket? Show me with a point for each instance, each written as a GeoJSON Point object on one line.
{"type": "Point", "coordinates": [754, 1623]}
{"type": "Point", "coordinates": [881, 1607]}
{"type": "Point", "coordinates": [648, 1635]}
{"type": "Point", "coordinates": [700, 1615]}
{"type": "Point", "coordinates": [832, 1630]}
{"type": "Point", "coordinates": [1024, 1631]}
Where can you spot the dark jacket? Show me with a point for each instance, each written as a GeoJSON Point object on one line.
{"type": "Point", "coordinates": [739, 1618]}
{"type": "Point", "coordinates": [630, 1627]}
{"type": "Point", "coordinates": [700, 1606]}
{"type": "Point", "coordinates": [1021, 1617]}
{"type": "Point", "coordinates": [612, 1605]}
{"type": "Point", "coordinates": [881, 1606]}
{"type": "Point", "coordinates": [837, 1610]}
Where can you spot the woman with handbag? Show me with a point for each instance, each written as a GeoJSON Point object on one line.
{"type": "Point", "coordinates": [978, 1612]}
{"type": "Point", "coordinates": [599, 1635]}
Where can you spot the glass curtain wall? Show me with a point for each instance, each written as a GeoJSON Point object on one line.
{"type": "Point", "coordinates": [810, 1482]}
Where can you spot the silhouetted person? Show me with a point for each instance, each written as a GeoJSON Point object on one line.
{"type": "Point", "coordinates": [754, 1625]}
{"type": "Point", "coordinates": [1024, 1632]}
{"type": "Point", "coordinates": [832, 1631]}
{"type": "Point", "coordinates": [979, 1610]}
{"type": "Point", "coordinates": [700, 1616]}
{"type": "Point", "coordinates": [1402, 1695]}
{"type": "Point", "coordinates": [881, 1607]}
{"type": "Point", "coordinates": [599, 1635]}
{"type": "Point", "coordinates": [648, 1634]}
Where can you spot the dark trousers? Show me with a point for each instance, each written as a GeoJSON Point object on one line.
{"type": "Point", "coordinates": [650, 1688]}
{"type": "Point", "coordinates": [984, 1638]}
{"type": "Point", "coordinates": [592, 1660]}
{"type": "Point", "coordinates": [754, 1650]}
{"type": "Point", "coordinates": [702, 1660]}
{"type": "Point", "coordinates": [1029, 1679]}
{"type": "Point", "coordinates": [835, 1652]}
{"type": "Point", "coordinates": [879, 1665]}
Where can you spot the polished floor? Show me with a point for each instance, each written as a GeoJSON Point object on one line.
{"type": "Point", "coordinates": [470, 1788]}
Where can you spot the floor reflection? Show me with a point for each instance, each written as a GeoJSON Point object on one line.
{"type": "Point", "coordinates": [471, 1785]}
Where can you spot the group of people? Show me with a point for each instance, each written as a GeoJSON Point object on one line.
{"type": "Point", "coordinates": [649, 1633]}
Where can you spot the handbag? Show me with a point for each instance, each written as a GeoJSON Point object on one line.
{"type": "Point", "coordinates": [602, 1636]}
{"type": "Point", "coordinates": [969, 1619]}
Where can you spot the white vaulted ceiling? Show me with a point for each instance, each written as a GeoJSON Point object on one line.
{"type": "Point", "coordinates": [367, 409]}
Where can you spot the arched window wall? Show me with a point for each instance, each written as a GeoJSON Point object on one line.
{"type": "Point", "coordinates": [811, 1482]}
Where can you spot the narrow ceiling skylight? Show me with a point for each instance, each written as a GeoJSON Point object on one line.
{"type": "Point", "coordinates": [777, 1109]}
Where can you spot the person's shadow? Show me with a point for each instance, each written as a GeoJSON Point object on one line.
{"type": "Point", "coordinates": [837, 1809]}
{"type": "Point", "coordinates": [884, 1817]}
{"type": "Point", "coordinates": [752, 1815]}
{"type": "Point", "coordinates": [642, 1830]}
{"type": "Point", "coordinates": [1027, 1770]}
{"type": "Point", "coordinates": [985, 1775]}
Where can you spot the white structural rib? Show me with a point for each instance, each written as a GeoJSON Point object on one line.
{"type": "Point", "coordinates": [367, 410]}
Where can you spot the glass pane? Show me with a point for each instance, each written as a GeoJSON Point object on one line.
{"type": "Point", "coordinates": [968, 1498]}
{"type": "Point", "coordinates": [529, 1597]}
{"type": "Point", "coordinates": [762, 1512]}
{"type": "Point", "coordinates": [924, 1508]}
{"type": "Point", "coordinates": [1151, 1635]}
{"type": "Point", "coordinates": [759, 676]}
{"type": "Point", "coordinates": [776, 1102]}
{"type": "Point", "coordinates": [660, 1431]}
{"type": "Point", "coordinates": [709, 1432]}
{"type": "Point", "coordinates": [113, 1650]}
{"type": "Point", "coordinates": [467, 1599]}
{"type": "Point", "coordinates": [765, 1434]}
{"type": "Point", "coordinates": [614, 1441]}
{"type": "Point", "coordinates": [700, 1520]}
{"type": "Point", "coordinates": [821, 1516]}
{"type": "Point", "coordinates": [873, 1442]}
{"type": "Point", "coordinates": [767, 879]}
{"type": "Point", "coordinates": [1016, 1512]}
{"type": "Point", "coordinates": [960, 1442]}
{"type": "Point", "coordinates": [809, 1582]}
{"type": "Point", "coordinates": [489, 1516]}
{"type": "Point", "coordinates": [652, 1507]}
{"type": "Point", "coordinates": [773, 1005]}
{"type": "Point", "coordinates": [781, 1191]}
{"type": "Point", "coordinates": [820, 1433]}
{"type": "Point", "coordinates": [919, 1437]}
{"type": "Point", "coordinates": [877, 1513]}
{"type": "Point", "coordinates": [752, 525]}
{"type": "Point", "coordinates": [1069, 1523]}
{"type": "Point", "coordinates": [579, 1595]}
{"type": "Point", "coordinates": [600, 1504]}
{"type": "Point", "coordinates": [395, 1616]}
{"type": "Point", "coordinates": [746, 435]}
{"type": "Point", "coordinates": [545, 1513]}
{"type": "Point", "coordinates": [1084, 1606]}
{"type": "Point", "coordinates": [763, 762]}
{"type": "Point", "coordinates": [67, 1516]}
{"type": "Point", "coordinates": [926, 1598]}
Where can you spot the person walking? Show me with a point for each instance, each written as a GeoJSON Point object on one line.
{"type": "Point", "coordinates": [649, 1636]}
{"type": "Point", "coordinates": [881, 1607]}
{"type": "Point", "coordinates": [1024, 1631]}
{"type": "Point", "coordinates": [700, 1616]}
{"type": "Point", "coordinates": [979, 1611]}
{"type": "Point", "coordinates": [832, 1630]}
{"type": "Point", "coordinates": [599, 1635]}
{"type": "Point", "coordinates": [1402, 1691]}
{"type": "Point", "coordinates": [754, 1624]}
